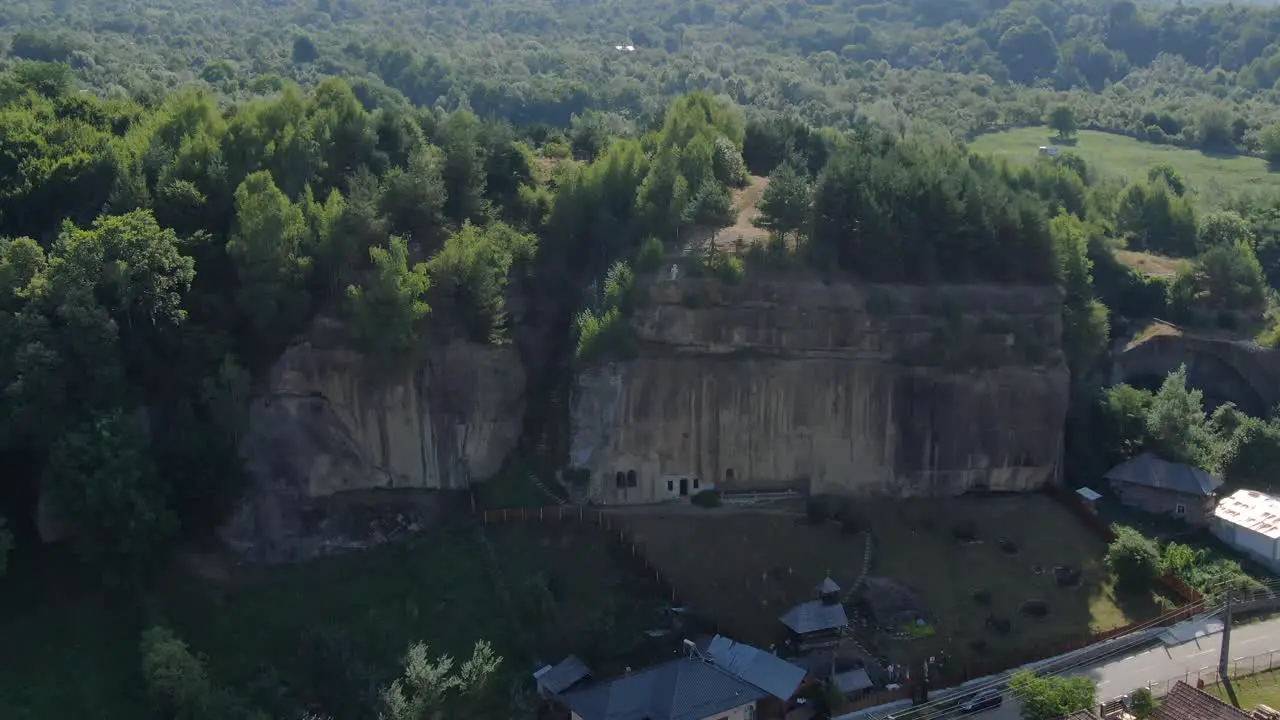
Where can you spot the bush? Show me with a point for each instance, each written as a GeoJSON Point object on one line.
{"type": "Point", "coordinates": [649, 258]}
{"type": "Point", "coordinates": [1141, 704]}
{"type": "Point", "coordinates": [174, 677]}
{"type": "Point", "coordinates": [706, 499]}
{"type": "Point", "coordinates": [728, 269]}
{"type": "Point", "coordinates": [605, 336]}
{"type": "Point", "coordinates": [1134, 560]}
{"type": "Point", "coordinates": [982, 597]}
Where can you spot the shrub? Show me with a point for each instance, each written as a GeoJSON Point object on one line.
{"type": "Point", "coordinates": [728, 269]}
{"type": "Point", "coordinates": [649, 257]}
{"type": "Point", "coordinates": [982, 597]}
{"type": "Point", "coordinates": [175, 678]}
{"type": "Point", "coordinates": [1141, 704]}
{"type": "Point", "coordinates": [706, 499]}
{"type": "Point", "coordinates": [604, 336]}
{"type": "Point", "coordinates": [1134, 560]}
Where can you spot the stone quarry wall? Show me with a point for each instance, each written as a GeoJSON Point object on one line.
{"type": "Point", "coordinates": [343, 452]}
{"type": "Point", "coordinates": [866, 390]}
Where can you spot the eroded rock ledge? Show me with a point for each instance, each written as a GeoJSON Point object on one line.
{"type": "Point", "coordinates": [345, 453]}
{"type": "Point", "coordinates": [866, 390]}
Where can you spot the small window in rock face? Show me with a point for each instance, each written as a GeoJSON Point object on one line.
{"type": "Point", "coordinates": [695, 483]}
{"type": "Point", "coordinates": [671, 485]}
{"type": "Point", "coordinates": [631, 478]}
{"type": "Point", "coordinates": [1180, 510]}
{"type": "Point", "coordinates": [620, 480]}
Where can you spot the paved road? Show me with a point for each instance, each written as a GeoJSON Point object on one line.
{"type": "Point", "coordinates": [1161, 663]}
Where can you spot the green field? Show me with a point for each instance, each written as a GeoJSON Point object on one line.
{"type": "Point", "coordinates": [1260, 689]}
{"type": "Point", "coordinates": [1212, 178]}
{"type": "Point", "coordinates": [333, 628]}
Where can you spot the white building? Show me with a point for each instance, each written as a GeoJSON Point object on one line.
{"type": "Point", "coordinates": [1249, 521]}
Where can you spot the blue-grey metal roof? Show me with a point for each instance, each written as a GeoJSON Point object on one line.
{"type": "Point", "coordinates": [561, 676]}
{"type": "Point", "coordinates": [682, 689]}
{"type": "Point", "coordinates": [853, 681]}
{"type": "Point", "coordinates": [828, 587]}
{"type": "Point", "coordinates": [1150, 471]}
{"type": "Point", "coordinates": [766, 671]}
{"type": "Point", "coordinates": [813, 616]}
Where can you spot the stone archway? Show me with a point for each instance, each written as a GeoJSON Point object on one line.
{"type": "Point", "coordinates": [1218, 369]}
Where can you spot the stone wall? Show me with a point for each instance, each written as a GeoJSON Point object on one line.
{"type": "Point", "coordinates": [342, 452]}
{"type": "Point", "coordinates": [868, 390]}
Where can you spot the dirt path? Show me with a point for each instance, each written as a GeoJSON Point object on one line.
{"type": "Point", "coordinates": [745, 202]}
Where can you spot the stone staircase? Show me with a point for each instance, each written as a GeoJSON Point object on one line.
{"type": "Point", "coordinates": [849, 594]}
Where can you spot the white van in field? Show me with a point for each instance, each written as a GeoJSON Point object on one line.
{"type": "Point", "coordinates": [1050, 150]}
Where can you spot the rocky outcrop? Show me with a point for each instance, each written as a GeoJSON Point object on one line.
{"type": "Point", "coordinates": [865, 390]}
{"type": "Point", "coordinates": [343, 452]}
{"type": "Point", "coordinates": [1225, 370]}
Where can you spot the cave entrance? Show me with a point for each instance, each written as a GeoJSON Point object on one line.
{"type": "Point", "coordinates": [684, 487]}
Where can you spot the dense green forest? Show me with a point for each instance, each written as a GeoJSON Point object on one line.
{"type": "Point", "coordinates": [187, 189]}
{"type": "Point", "coordinates": [1183, 73]}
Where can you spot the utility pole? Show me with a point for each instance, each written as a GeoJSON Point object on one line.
{"type": "Point", "coordinates": [1224, 659]}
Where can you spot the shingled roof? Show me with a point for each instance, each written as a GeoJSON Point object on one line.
{"type": "Point", "coordinates": [1187, 703]}
{"type": "Point", "coordinates": [1150, 471]}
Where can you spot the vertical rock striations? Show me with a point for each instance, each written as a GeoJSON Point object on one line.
{"type": "Point", "coordinates": [342, 453]}
{"type": "Point", "coordinates": [866, 390]}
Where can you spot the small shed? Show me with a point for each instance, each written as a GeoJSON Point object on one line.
{"type": "Point", "coordinates": [854, 682]}
{"type": "Point", "coordinates": [1165, 488]}
{"type": "Point", "coordinates": [1090, 498]}
{"type": "Point", "coordinates": [555, 679]}
{"type": "Point", "coordinates": [1249, 521]}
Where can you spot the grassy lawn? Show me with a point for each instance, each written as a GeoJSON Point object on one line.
{"type": "Point", "coordinates": [71, 652]}
{"type": "Point", "coordinates": [1149, 263]}
{"type": "Point", "coordinates": [1212, 178]}
{"type": "Point", "coordinates": [743, 569]}
{"type": "Point", "coordinates": [916, 545]}
{"type": "Point", "coordinates": [1252, 691]}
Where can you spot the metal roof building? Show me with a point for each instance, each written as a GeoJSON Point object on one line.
{"type": "Point", "coordinates": [1249, 521]}
{"type": "Point", "coordinates": [766, 671]}
{"type": "Point", "coordinates": [815, 616]}
{"type": "Point", "coordinates": [683, 689]}
{"type": "Point", "coordinates": [1148, 470]}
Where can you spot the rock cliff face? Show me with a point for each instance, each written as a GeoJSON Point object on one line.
{"type": "Point", "coordinates": [867, 390]}
{"type": "Point", "coordinates": [342, 453]}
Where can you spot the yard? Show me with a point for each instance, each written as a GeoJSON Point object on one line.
{"type": "Point", "coordinates": [974, 562]}
{"type": "Point", "coordinates": [1252, 691]}
{"type": "Point", "coordinates": [744, 568]}
{"type": "Point", "coordinates": [1212, 178]}
{"type": "Point", "coordinates": [69, 651]}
